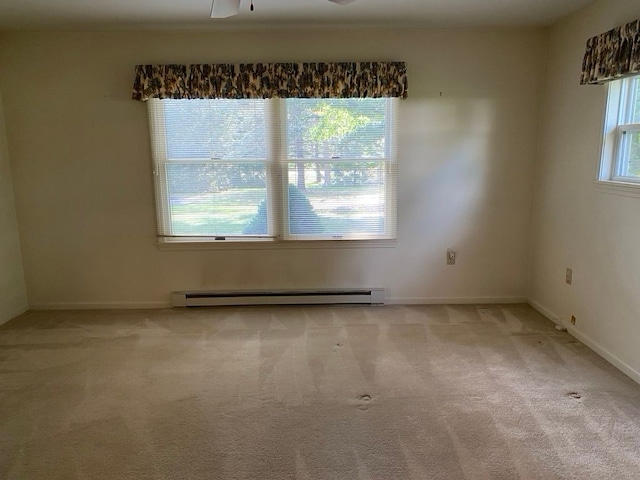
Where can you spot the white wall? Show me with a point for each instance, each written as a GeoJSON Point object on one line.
{"type": "Point", "coordinates": [82, 170]}
{"type": "Point", "coordinates": [13, 295]}
{"type": "Point", "coordinates": [576, 223]}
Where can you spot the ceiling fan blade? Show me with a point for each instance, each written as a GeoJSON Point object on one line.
{"type": "Point", "coordinates": [224, 8]}
{"type": "Point", "coordinates": [342, 2]}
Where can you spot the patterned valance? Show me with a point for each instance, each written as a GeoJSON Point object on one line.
{"type": "Point", "coordinates": [268, 80]}
{"type": "Point", "coordinates": [612, 55]}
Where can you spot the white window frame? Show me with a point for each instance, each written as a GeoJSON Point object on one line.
{"type": "Point", "coordinates": [277, 182]}
{"type": "Point", "coordinates": [617, 126]}
{"type": "Point", "coordinates": [161, 184]}
{"type": "Point", "coordinates": [388, 161]}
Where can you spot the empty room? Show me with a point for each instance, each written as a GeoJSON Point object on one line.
{"type": "Point", "coordinates": [319, 239]}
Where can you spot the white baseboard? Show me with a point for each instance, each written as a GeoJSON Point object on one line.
{"type": "Point", "coordinates": [547, 313]}
{"type": "Point", "coordinates": [593, 345]}
{"type": "Point", "coordinates": [100, 306]}
{"type": "Point", "coordinates": [453, 300]}
{"type": "Point", "coordinates": [13, 314]}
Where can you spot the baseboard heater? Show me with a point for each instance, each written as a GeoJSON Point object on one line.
{"type": "Point", "coordinates": [366, 296]}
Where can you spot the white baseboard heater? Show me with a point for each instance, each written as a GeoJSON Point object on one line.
{"type": "Point", "coordinates": [366, 296]}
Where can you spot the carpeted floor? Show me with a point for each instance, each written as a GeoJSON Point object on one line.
{"type": "Point", "coordinates": [395, 392]}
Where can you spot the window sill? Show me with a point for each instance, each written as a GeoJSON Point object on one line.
{"type": "Point", "coordinates": [611, 187]}
{"type": "Point", "coordinates": [274, 244]}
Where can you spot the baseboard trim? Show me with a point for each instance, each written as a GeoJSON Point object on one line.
{"type": "Point", "coordinates": [454, 300]}
{"type": "Point", "coordinates": [100, 306]}
{"type": "Point", "coordinates": [13, 314]}
{"type": "Point", "coordinates": [593, 345]}
{"type": "Point", "coordinates": [547, 313]}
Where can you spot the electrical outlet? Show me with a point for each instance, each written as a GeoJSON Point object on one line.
{"type": "Point", "coordinates": [568, 276]}
{"type": "Point", "coordinates": [573, 319]}
{"type": "Point", "coordinates": [451, 257]}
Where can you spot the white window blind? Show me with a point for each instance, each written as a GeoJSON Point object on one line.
{"type": "Point", "coordinates": [338, 154]}
{"type": "Point", "coordinates": [295, 169]}
{"type": "Point", "coordinates": [211, 165]}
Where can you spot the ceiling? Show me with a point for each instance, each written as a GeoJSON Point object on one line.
{"type": "Point", "coordinates": [118, 14]}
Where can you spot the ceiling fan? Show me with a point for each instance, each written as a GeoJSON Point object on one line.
{"type": "Point", "coordinates": [228, 8]}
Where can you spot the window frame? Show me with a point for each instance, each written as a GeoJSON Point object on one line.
{"type": "Point", "coordinates": [616, 126]}
{"type": "Point", "coordinates": [161, 159]}
{"type": "Point", "coordinates": [277, 179]}
{"type": "Point", "coordinates": [388, 161]}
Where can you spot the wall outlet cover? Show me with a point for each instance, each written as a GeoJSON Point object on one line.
{"type": "Point", "coordinates": [451, 257]}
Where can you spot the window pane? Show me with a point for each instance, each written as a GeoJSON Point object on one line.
{"type": "Point", "coordinates": [336, 128]}
{"type": "Point", "coordinates": [630, 161]}
{"type": "Point", "coordinates": [225, 129]}
{"type": "Point", "coordinates": [337, 199]}
{"type": "Point", "coordinates": [217, 199]}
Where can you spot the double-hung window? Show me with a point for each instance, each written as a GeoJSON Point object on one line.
{"type": "Point", "coordinates": [621, 146]}
{"type": "Point", "coordinates": [211, 165]}
{"type": "Point", "coordinates": [272, 170]}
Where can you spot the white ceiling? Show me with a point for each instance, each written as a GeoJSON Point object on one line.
{"type": "Point", "coordinates": [115, 14]}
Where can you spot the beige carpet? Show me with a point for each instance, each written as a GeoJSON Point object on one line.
{"type": "Point", "coordinates": [395, 392]}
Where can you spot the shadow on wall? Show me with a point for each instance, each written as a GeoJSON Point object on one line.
{"type": "Point", "coordinates": [463, 183]}
{"type": "Point", "coordinates": [445, 190]}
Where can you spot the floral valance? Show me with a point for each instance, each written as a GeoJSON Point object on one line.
{"type": "Point", "coordinates": [268, 80]}
{"type": "Point", "coordinates": [612, 55]}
